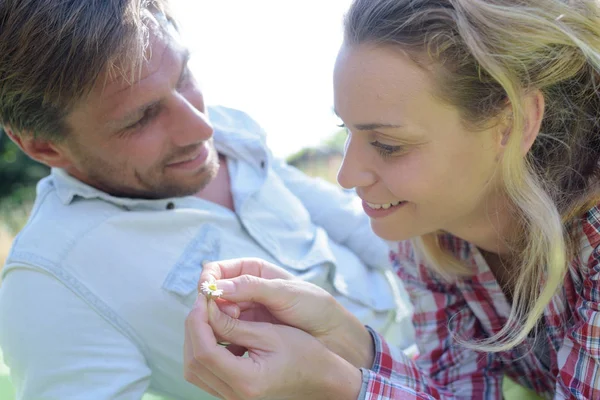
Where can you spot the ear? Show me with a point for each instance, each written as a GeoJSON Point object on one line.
{"type": "Point", "coordinates": [533, 113]}
{"type": "Point", "coordinates": [41, 150]}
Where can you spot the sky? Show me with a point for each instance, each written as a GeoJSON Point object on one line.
{"type": "Point", "coordinates": [270, 58]}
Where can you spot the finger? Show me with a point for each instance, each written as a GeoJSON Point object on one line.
{"type": "Point", "coordinates": [242, 266]}
{"type": "Point", "coordinates": [195, 372]}
{"type": "Point", "coordinates": [191, 368]}
{"type": "Point", "coordinates": [229, 308]}
{"type": "Point", "coordinates": [242, 333]}
{"type": "Point", "coordinates": [258, 313]}
{"type": "Point", "coordinates": [205, 351]}
{"type": "Point", "coordinates": [277, 295]}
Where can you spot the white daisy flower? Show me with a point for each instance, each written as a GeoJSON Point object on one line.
{"type": "Point", "coordinates": [210, 289]}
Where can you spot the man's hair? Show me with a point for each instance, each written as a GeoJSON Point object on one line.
{"type": "Point", "coordinates": [53, 51]}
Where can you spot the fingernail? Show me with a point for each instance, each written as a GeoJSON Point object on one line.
{"type": "Point", "coordinates": [227, 286]}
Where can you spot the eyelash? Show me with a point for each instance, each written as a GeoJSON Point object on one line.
{"type": "Point", "coordinates": [147, 117]}
{"type": "Point", "coordinates": [154, 111]}
{"type": "Point", "coordinates": [384, 150]}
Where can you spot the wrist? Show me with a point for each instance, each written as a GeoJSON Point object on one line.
{"type": "Point", "coordinates": [354, 343]}
{"type": "Point", "coordinates": [343, 380]}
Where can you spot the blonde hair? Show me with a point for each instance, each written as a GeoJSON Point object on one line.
{"type": "Point", "coordinates": [487, 54]}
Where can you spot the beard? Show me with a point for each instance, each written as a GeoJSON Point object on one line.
{"type": "Point", "coordinates": [119, 179]}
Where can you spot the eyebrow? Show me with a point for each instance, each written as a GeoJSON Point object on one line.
{"type": "Point", "coordinates": [372, 127]}
{"type": "Point", "coordinates": [143, 109]}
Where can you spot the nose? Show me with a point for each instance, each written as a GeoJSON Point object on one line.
{"type": "Point", "coordinates": [355, 171]}
{"type": "Point", "coordinates": [189, 123]}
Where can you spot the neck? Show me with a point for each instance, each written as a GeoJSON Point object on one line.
{"type": "Point", "coordinates": [491, 227]}
{"type": "Point", "coordinates": [493, 231]}
{"type": "Point", "coordinates": [219, 189]}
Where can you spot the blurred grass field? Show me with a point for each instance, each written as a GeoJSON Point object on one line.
{"type": "Point", "coordinates": [6, 390]}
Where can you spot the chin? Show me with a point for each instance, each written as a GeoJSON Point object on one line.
{"type": "Point", "coordinates": [394, 235]}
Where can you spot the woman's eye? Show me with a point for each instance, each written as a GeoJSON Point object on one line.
{"type": "Point", "coordinates": [385, 150]}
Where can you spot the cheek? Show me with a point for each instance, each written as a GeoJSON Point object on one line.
{"type": "Point", "coordinates": [461, 182]}
{"type": "Point", "coordinates": [410, 177]}
{"type": "Point", "coordinates": [145, 150]}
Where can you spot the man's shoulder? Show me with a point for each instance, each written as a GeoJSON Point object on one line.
{"type": "Point", "coordinates": [227, 120]}
{"type": "Point", "coordinates": [54, 225]}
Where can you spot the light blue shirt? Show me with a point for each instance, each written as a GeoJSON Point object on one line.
{"type": "Point", "coordinates": [96, 288]}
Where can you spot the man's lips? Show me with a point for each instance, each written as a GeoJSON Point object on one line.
{"type": "Point", "coordinates": [191, 161]}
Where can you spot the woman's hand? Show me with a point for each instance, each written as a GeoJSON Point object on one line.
{"type": "Point", "coordinates": [282, 362]}
{"type": "Point", "coordinates": [267, 293]}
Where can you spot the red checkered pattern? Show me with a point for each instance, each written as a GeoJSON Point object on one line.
{"type": "Point", "coordinates": [476, 308]}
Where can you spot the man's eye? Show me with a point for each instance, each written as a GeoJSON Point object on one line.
{"type": "Point", "coordinates": [149, 114]}
{"type": "Point", "coordinates": [139, 123]}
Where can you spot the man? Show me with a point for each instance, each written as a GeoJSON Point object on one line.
{"type": "Point", "coordinates": [144, 189]}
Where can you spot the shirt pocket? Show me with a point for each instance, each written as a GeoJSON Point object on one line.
{"type": "Point", "coordinates": [182, 280]}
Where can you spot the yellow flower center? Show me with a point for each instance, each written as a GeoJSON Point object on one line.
{"type": "Point", "coordinates": [212, 286]}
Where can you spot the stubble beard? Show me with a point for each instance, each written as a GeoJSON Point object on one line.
{"type": "Point", "coordinates": [153, 184]}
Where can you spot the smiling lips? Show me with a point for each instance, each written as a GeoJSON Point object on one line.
{"type": "Point", "coordinates": [189, 158]}
{"type": "Point", "coordinates": [384, 206]}
{"type": "Point", "coordinates": [192, 162]}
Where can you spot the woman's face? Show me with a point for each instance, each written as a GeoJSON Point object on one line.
{"type": "Point", "coordinates": [417, 168]}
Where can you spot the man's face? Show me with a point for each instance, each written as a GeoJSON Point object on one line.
{"type": "Point", "coordinates": [149, 139]}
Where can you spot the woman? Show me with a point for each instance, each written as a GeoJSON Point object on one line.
{"type": "Point", "coordinates": [474, 141]}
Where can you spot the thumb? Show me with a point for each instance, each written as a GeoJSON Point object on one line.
{"type": "Point", "coordinates": [293, 302]}
{"type": "Point", "coordinates": [251, 335]}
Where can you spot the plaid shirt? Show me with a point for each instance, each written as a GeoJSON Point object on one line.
{"type": "Point", "coordinates": [475, 308]}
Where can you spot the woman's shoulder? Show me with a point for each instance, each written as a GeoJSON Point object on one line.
{"type": "Point", "coordinates": [590, 224]}
{"type": "Point", "coordinates": [587, 260]}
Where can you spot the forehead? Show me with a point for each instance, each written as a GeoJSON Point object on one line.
{"type": "Point", "coordinates": [121, 91]}
{"type": "Point", "coordinates": [378, 74]}
{"type": "Point", "coordinates": [383, 85]}
{"type": "Point", "coordinates": [164, 49]}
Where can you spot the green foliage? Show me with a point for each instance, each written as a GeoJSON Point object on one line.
{"type": "Point", "coordinates": [331, 145]}
{"type": "Point", "coordinates": [295, 158]}
{"type": "Point", "coordinates": [337, 141]}
{"type": "Point", "coordinates": [17, 171]}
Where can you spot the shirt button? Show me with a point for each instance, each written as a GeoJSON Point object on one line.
{"type": "Point", "coordinates": [170, 205]}
{"type": "Point", "coordinates": [262, 164]}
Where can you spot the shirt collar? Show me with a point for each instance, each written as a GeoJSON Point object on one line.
{"type": "Point", "coordinates": [69, 188]}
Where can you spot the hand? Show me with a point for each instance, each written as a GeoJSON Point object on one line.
{"type": "Point", "coordinates": [282, 362]}
{"type": "Point", "coordinates": [267, 293]}
{"type": "Point", "coordinates": [249, 310]}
